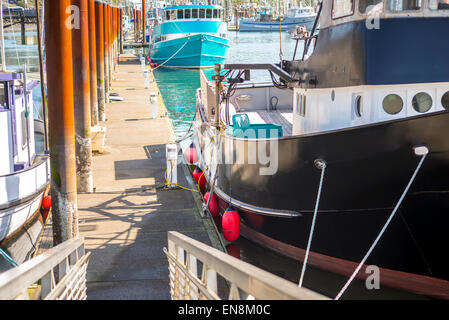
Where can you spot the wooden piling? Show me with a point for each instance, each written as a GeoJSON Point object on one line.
{"type": "Point", "coordinates": [81, 82]}
{"type": "Point", "coordinates": [58, 36]}
{"type": "Point", "coordinates": [99, 32]}
{"type": "Point", "coordinates": [93, 64]}
{"type": "Point", "coordinates": [144, 27]}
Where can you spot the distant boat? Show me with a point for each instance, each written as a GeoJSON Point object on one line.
{"type": "Point", "coordinates": [24, 175]}
{"type": "Point", "coordinates": [265, 22]}
{"type": "Point", "coordinates": [191, 36]}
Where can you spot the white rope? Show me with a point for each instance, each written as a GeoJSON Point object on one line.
{"type": "Point", "coordinates": [383, 229]}
{"type": "Point", "coordinates": [323, 169]}
{"type": "Point", "coordinates": [172, 56]}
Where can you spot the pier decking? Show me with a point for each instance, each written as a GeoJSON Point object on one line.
{"type": "Point", "coordinates": [125, 221]}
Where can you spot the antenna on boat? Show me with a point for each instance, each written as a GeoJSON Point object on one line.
{"type": "Point", "coordinates": [2, 36]}
{"type": "Point", "coordinates": [280, 33]}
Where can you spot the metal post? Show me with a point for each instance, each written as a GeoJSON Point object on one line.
{"type": "Point", "coordinates": [61, 120]}
{"type": "Point", "coordinates": [23, 28]}
{"type": "Point", "coordinates": [99, 31]}
{"type": "Point", "coordinates": [217, 94]}
{"type": "Point", "coordinates": [42, 78]}
{"type": "Point", "coordinates": [106, 51]}
{"type": "Point", "coordinates": [81, 82]}
{"type": "Point", "coordinates": [93, 64]}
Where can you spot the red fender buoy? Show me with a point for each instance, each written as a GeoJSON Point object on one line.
{"type": "Point", "coordinates": [213, 204]}
{"type": "Point", "coordinates": [231, 224]}
{"type": "Point", "coordinates": [191, 155]}
{"type": "Point", "coordinates": [233, 250]}
{"type": "Point", "coordinates": [46, 203]}
{"type": "Point", "coordinates": [199, 177]}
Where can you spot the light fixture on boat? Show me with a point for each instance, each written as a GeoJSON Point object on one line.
{"type": "Point", "coordinates": [421, 150]}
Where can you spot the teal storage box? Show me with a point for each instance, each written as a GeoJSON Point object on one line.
{"type": "Point", "coordinates": [242, 128]}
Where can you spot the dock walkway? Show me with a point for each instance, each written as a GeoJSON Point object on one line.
{"type": "Point", "coordinates": [126, 220]}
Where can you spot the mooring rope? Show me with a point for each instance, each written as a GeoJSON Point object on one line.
{"type": "Point", "coordinates": [383, 229]}
{"type": "Point", "coordinates": [171, 56]}
{"type": "Point", "coordinates": [8, 258]}
{"type": "Point", "coordinates": [312, 228]}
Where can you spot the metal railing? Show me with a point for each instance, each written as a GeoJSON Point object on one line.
{"type": "Point", "coordinates": [189, 258]}
{"type": "Point", "coordinates": [57, 274]}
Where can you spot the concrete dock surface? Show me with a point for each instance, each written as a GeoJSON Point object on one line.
{"type": "Point", "coordinates": [125, 221]}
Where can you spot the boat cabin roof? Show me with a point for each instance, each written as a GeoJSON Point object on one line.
{"type": "Point", "coordinates": [337, 12]}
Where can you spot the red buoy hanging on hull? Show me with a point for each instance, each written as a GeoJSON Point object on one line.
{"type": "Point", "coordinates": [46, 203]}
{"type": "Point", "coordinates": [231, 224]}
{"type": "Point", "coordinates": [199, 177]}
{"type": "Point", "coordinates": [213, 204]}
{"type": "Point", "coordinates": [233, 250]}
{"type": "Point", "coordinates": [191, 155]}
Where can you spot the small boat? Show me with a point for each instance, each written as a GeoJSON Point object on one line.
{"type": "Point", "coordinates": [265, 22]}
{"type": "Point", "coordinates": [342, 161]}
{"type": "Point", "coordinates": [190, 36]}
{"type": "Point", "coordinates": [24, 175]}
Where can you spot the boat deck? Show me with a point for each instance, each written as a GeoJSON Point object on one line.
{"type": "Point", "coordinates": [282, 117]}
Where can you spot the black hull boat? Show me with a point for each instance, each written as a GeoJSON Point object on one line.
{"type": "Point", "coordinates": [378, 182]}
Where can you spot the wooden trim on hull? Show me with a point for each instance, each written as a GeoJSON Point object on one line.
{"type": "Point", "coordinates": [432, 287]}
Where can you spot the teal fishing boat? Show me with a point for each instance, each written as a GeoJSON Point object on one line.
{"type": "Point", "coordinates": [190, 36]}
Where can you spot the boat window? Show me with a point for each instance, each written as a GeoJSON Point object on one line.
{"type": "Point", "coordinates": [439, 4]}
{"type": "Point", "coordinates": [202, 13]}
{"type": "Point", "coordinates": [167, 15]}
{"type": "Point", "coordinates": [393, 104]}
{"type": "Point", "coordinates": [172, 14]}
{"type": "Point", "coordinates": [2, 96]}
{"type": "Point", "coordinates": [180, 14]}
{"type": "Point", "coordinates": [194, 13]}
{"type": "Point", "coordinates": [366, 4]}
{"type": "Point", "coordinates": [215, 13]}
{"type": "Point", "coordinates": [445, 101]}
{"type": "Point", "coordinates": [358, 106]}
{"type": "Point", "coordinates": [342, 8]}
{"type": "Point", "coordinates": [208, 13]}
{"type": "Point", "coordinates": [403, 5]}
{"type": "Point", "coordinates": [24, 129]}
{"type": "Point", "coordinates": [187, 13]}
{"type": "Point", "coordinates": [422, 102]}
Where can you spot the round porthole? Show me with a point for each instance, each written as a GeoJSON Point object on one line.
{"type": "Point", "coordinates": [445, 101]}
{"type": "Point", "coordinates": [422, 102]}
{"type": "Point", "coordinates": [358, 106]}
{"type": "Point", "coordinates": [393, 104]}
